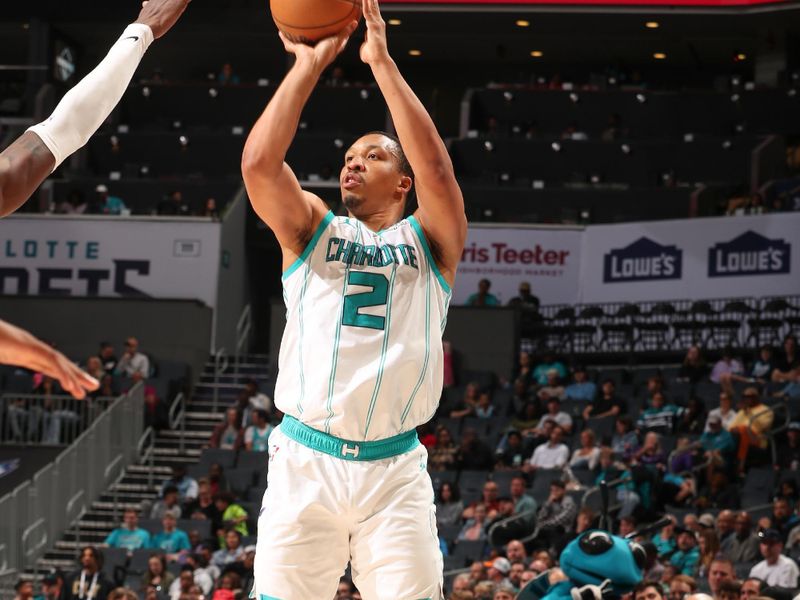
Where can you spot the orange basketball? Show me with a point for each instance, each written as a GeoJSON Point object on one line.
{"type": "Point", "coordinates": [311, 20]}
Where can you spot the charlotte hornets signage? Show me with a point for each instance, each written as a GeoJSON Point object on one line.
{"type": "Point", "coordinates": [749, 254]}
{"type": "Point", "coordinates": [691, 259]}
{"type": "Point", "coordinates": [643, 260]}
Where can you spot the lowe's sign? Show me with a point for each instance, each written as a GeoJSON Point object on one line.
{"type": "Point", "coordinates": [643, 260]}
{"type": "Point", "coordinates": [749, 254]}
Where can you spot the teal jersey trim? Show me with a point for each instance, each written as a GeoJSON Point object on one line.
{"type": "Point", "coordinates": [348, 449]}
{"type": "Point", "coordinates": [326, 220]}
{"type": "Point", "coordinates": [427, 346]}
{"type": "Point", "coordinates": [384, 346]}
{"type": "Point", "coordinates": [424, 242]}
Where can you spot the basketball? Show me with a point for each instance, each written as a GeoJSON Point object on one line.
{"type": "Point", "coordinates": [309, 21]}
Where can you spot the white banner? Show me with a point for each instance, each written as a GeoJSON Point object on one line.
{"type": "Point", "coordinates": [110, 257]}
{"type": "Point", "coordinates": [723, 257]}
{"type": "Point", "coordinates": [547, 258]}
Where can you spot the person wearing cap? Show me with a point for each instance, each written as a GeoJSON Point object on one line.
{"type": "Point", "coordinates": [581, 389]}
{"type": "Point", "coordinates": [687, 555]}
{"type": "Point", "coordinates": [742, 545]}
{"type": "Point", "coordinates": [109, 205]}
{"type": "Point", "coordinates": [752, 423]}
{"type": "Point", "coordinates": [553, 387]}
{"type": "Point", "coordinates": [717, 443]}
{"type": "Point", "coordinates": [776, 569]}
{"type": "Point", "coordinates": [555, 517]}
{"type": "Point", "coordinates": [498, 571]}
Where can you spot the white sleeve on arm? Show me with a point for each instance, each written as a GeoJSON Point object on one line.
{"type": "Point", "coordinates": [84, 108]}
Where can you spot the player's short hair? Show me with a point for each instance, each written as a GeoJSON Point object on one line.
{"type": "Point", "coordinates": [402, 162]}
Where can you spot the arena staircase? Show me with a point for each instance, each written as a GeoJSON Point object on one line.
{"type": "Point", "coordinates": [134, 489]}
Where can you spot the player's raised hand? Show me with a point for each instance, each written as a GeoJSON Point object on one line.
{"type": "Point", "coordinates": [374, 48]}
{"type": "Point", "coordinates": [161, 15]}
{"type": "Point", "coordinates": [324, 51]}
{"type": "Point", "coordinates": [20, 348]}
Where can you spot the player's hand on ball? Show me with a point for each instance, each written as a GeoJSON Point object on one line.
{"type": "Point", "coordinates": [161, 15]}
{"type": "Point", "coordinates": [324, 51]}
{"type": "Point", "coordinates": [374, 48]}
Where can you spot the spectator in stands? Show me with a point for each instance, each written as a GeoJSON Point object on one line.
{"type": "Point", "coordinates": [516, 552]}
{"type": "Point", "coordinates": [624, 489]}
{"type": "Point", "coordinates": [542, 372]}
{"type": "Point", "coordinates": [256, 437]}
{"type": "Point", "coordinates": [752, 423]}
{"type": "Point", "coordinates": [718, 492]}
{"type": "Point", "coordinates": [625, 441]}
{"type": "Point", "coordinates": [551, 389]}
{"type": "Point", "coordinates": [555, 518]}
{"type": "Point", "coordinates": [694, 368]}
{"type": "Point", "coordinates": [608, 404]}
{"type": "Point", "coordinates": [627, 525]}
{"type": "Point", "coordinates": [108, 357]}
{"type": "Point", "coordinates": [729, 590]}
{"type": "Point", "coordinates": [681, 586]}
{"type": "Point", "coordinates": [156, 414]}
{"type": "Point", "coordinates": [231, 549]}
{"type": "Point", "coordinates": [648, 590]}
{"type": "Point", "coordinates": [687, 556]}
{"type": "Point", "coordinates": [210, 210]}
{"type": "Point", "coordinates": [788, 452]}
{"type": "Point", "coordinates": [751, 588]}
{"type": "Point", "coordinates": [94, 367]}
{"type": "Point", "coordinates": [133, 364]}
{"type": "Point", "coordinates": [708, 545]}
{"type": "Point", "coordinates": [157, 575]}
{"type": "Point", "coordinates": [52, 586]}
{"type": "Point", "coordinates": [109, 205]}
{"type": "Point", "coordinates": [725, 411]}
{"type": "Point", "coordinates": [585, 520]}
{"type": "Point", "coordinates": [725, 368]}
{"type": "Point", "coordinates": [466, 406]}
{"type": "Point", "coordinates": [443, 455]}
{"type": "Point", "coordinates": [226, 75]}
{"type": "Point", "coordinates": [24, 589]}
{"type": "Point", "coordinates": [228, 435]}
{"type": "Point", "coordinates": [555, 414]}
{"type": "Point", "coordinates": [791, 391]}
{"type": "Point", "coordinates": [498, 572]}
{"type": "Point", "coordinates": [523, 503]}
{"type": "Point", "coordinates": [742, 546]}
{"type": "Point", "coordinates": [717, 443]}
{"type": "Point", "coordinates": [448, 505]}
{"type": "Point", "coordinates": [776, 569]}
{"type": "Point", "coordinates": [474, 528]}
{"type": "Point", "coordinates": [660, 416]}
{"type": "Point", "coordinates": [170, 539]}
{"type": "Point", "coordinates": [514, 452]}
{"type": "Point", "coordinates": [183, 583]}
{"type": "Point", "coordinates": [523, 372]}
{"type": "Point", "coordinates": [725, 525]}
{"type": "Point", "coordinates": [587, 456]}
{"type": "Point", "coordinates": [88, 581]}
{"type": "Point", "coordinates": [461, 583]}
{"type": "Point", "coordinates": [489, 498]}
{"type": "Point", "coordinates": [227, 585]}
{"type": "Point", "coordinates": [484, 409]}
{"type": "Point", "coordinates": [693, 418]}
{"type": "Point", "coordinates": [664, 540]}
{"type": "Point", "coordinates": [187, 487]}
{"type": "Point", "coordinates": [168, 504]}
{"type": "Point", "coordinates": [473, 454]}
{"type": "Point", "coordinates": [74, 204]}
{"type": "Point", "coordinates": [650, 454]}
{"type": "Point", "coordinates": [205, 573]}
{"type": "Point", "coordinates": [525, 299]}
{"type": "Point", "coordinates": [552, 455]}
{"type": "Point", "coordinates": [233, 516]}
{"type": "Point", "coordinates": [783, 518]}
{"type": "Point", "coordinates": [760, 370]}
{"type": "Point", "coordinates": [483, 297]}
{"type": "Point", "coordinates": [130, 535]}
{"type": "Point", "coordinates": [173, 205]}
{"type": "Point", "coordinates": [788, 362]}
{"type": "Point", "coordinates": [581, 388]}
{"type": "Point", "coordinates": [720, 570]}
{"type": "Point", "coordinates": [204, 507]}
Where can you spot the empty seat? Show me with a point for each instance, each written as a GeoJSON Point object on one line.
{"type": "Point", "coordinates": [224, 458]}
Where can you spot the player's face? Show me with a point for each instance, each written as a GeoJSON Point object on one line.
{"type": "Point", "coordinates": [370, 177]}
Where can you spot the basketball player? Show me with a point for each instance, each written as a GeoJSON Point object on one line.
{"type": "Point", "coordinates": [27, 162]}
{"type": "Point", "coordinates": [361, 356]}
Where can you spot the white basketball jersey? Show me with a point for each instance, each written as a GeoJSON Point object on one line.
{"type": "Point", "coordinates": [361, 355]}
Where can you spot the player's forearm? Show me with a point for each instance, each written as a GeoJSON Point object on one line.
{"type": "Point", "coordinates": [20, 348]}
{"type": "Point", "coordinates": [271, 136]}
{"type": "Point", "coordinates": [23, 167]}
{"type": "Point", "coordinates": [421, 141]}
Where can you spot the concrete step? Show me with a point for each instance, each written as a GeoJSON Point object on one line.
{"type": "Point", "coordinates": [135, 487]}
{"type": "Point", "coordinates": [210, 418]}
{"type": "Point", "coordinates": [145, 469]}
{"type": "Point", "coordinates": [188, 456]}
{"type": "Point", "coordinates": [168, 435]}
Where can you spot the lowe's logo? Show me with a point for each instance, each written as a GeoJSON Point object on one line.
{"type": "Point", "coordinates": [749, 254]}
{"type": "Point", "coordinates": [643, 260]}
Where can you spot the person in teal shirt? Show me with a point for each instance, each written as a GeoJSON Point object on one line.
{"type": "Point", "coordinates": [171, 540]}
{"type": "Point", "coordinates": [548, 363]}
{"type": "Point", "coordinates": [130, 536]}
{"type": "Point", "coordinates": [687, 556]}
{"type": "Point", "coordinates": [483, 297]}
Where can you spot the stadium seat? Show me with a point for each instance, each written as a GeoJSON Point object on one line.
{"type": "Point", "coordinates": [758, 485]}
{"type": "Point", "coordinates": [252, 460]}
{"type": "Point", "coordinates": [240, 480]}
{"type": "Point", "coordinates": [202, 526]}
{"type": "Point", "coordinates": [224, 458]}
{"type": "Point", "coordinates": [113, 558]}
{"type": "Point", "coordinates": [467, 551]}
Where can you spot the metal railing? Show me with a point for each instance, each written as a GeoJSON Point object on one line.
{"type": "Point", "coordinates": [47, 419]}
{"type": "Point", "coordinates": [39, 510]}
{"type": "Point", "coordinates": [145, 450]}
{"type": "Point", "coordinates": [243, 328]}
{"type": "Point", "coordinates": [177, 418]}
{"type": "Point", "coordinates": [221, 364]}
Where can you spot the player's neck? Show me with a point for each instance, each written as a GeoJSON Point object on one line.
{"type": "Point", "coordinates": [378, 221]}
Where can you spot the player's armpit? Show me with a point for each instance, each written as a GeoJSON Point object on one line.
{"type": "Point", "coordinates": [441, 215]}
{"type": "Point", "coordinates": [24, 165]}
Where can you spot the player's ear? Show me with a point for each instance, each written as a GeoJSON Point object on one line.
{"type": "Point", "coordinates": [405, 183]}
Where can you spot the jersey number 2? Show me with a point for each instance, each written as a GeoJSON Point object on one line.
{"type": "Point", "coordinates": [354, 302]}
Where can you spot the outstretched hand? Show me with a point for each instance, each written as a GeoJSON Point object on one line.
{"type": "Point", "coordinates": [161, 15]}
{"type": "Point", "coordinates": [324, 51]}
{"type": "Point", "coordinates": [374, 47]}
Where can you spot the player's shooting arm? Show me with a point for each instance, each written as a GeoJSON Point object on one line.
{"type": "Point", "coordinates": [274, 191]}
{"type": "Point", "coordinates": [441, 205]}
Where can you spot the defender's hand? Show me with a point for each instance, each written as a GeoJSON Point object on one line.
{"type": "Point", "coordinates": [161, 15]}
{"type": "Point", "coordinates": [324, 51]}
{"type": "Point", "coordinates": [374, 48]}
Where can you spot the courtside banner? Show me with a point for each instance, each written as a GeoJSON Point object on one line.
{"type": "Point", "coordinates": [723, 257]}
{"type": "Point", "coordinates": [109, 257]}
{"type": "Point", "coordinates": [546, 257]}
